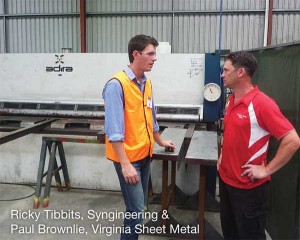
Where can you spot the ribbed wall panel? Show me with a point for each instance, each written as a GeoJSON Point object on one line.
{"type": "Point", "coordinates": [201, 33]}
{"type": "Point", "coordinates": [42, 6]}
{"type": "Point", "coordinates": [42, 34]}
{"type": "Point", "coordinates": [187, 33]}
{"type": "Point", "coordinates": [1, 6]}
{"type": "Point", "coordinates": [2, 28]}
{"type": "Point", "coordinates": [2, 36]}
{"type": "Point", "coordinates": [111, 34]}
{"type": "Point", "coordinates": [213, 5]}
{"type": "Point", "coordinates": [128, 5]}
{"type": "Point", "coordinates": [286, 28]}
{"type": "Point", "coordinates": [241, 32]}
{"type": "Point", "coordinates": [179, 5]}
{"type": "Point", "coordinates": [286, 4]}
{"type": "Point", "coordinates": [194, 33]}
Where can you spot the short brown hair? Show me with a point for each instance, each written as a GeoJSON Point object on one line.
{"type": "Point", "coordinates": [243, 59]}
{"type": "Point", "coordinates": [139, 43]}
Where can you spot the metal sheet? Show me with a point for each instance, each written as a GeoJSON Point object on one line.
{"type": "Point", "coordinates": [286, 4]}
{"type": "Point", "coordinates": [243, 27]}
{"type": "Point", "coordinates": [127, 5]}
{"type": "Point", "coordinates": [42, 6]}
{"type": "Point", "coordinates": [18, 121]}
{"type": "Point", "coordinates": [2, 36]}
{"type": "Point", "coordinates": [24, 131]}
{"type": "Point", "coordinates": [81, 127]}
{"type": "Point", "coordinates": [42, 34]}
{"type": "Point", "coordinates": [285, 28]}
{"type": "Point", "coordinates": [203, 148]}
{"type": "Point", "coordinates": [111, 34]}
{"type": "Point", "coordinates": [86, 81]}
{"type": "Point", "coordinates": [94, 125]}
{"type": "Point", "coordinates": [177, 136]}
{"type": "Point", "coordinates": [2, 6]}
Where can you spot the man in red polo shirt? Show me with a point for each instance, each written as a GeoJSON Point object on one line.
{"type": "Point", "coordinates": [251, 118]}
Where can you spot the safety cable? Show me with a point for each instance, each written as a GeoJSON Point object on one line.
{"type": "Point", "coordinates": [15, 199]}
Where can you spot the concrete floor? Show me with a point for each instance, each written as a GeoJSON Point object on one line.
{"type": "Point", "coordinates": [78, 203]}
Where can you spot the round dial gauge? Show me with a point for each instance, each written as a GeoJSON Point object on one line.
{"type": "Point", "coordinates": [212, 92]}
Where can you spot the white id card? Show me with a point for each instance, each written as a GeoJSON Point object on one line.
{"type": "Point", "coordinates": [149, 102]}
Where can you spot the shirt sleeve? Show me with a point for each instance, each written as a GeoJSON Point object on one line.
{"type": "Point", "coordinates": [114, 111]}
{"type": "Point", "coordinates": [273, 120]}
{"type": "Point", "coordinates": [155, 123]}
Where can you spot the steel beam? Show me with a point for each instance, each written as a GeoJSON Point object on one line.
{"type": "Point", "coordinates": [24, 131]}
{"type": "Point", "coordinates": [82, 26]}
{"type": "Point", "coordinates": [151, 13]}
{"type": "Point", "coordinates": [270, 23]}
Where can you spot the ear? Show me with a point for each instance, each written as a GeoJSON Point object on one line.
{"type": "Point", "coordinates": [241, 72]}
{"type": "Point", "coordinates": [135, 54]}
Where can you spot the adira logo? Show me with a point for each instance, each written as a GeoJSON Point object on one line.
{"type": "Point", "coordinates": [60, 68]}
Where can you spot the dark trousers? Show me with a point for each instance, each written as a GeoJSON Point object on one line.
{"type": "Point", "coordinates": [243, 212]}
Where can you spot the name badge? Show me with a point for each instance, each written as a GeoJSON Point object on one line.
{"type": "Point", "coordinates": [149, 102]}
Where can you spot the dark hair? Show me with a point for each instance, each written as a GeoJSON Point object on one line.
{"type": "Point", "coordinates": [139, 42]}
{"type": "Point", "coordinates": [243, 59]}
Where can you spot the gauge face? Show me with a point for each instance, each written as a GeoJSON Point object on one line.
{"type": "Point", "coordinates": [212, 92]}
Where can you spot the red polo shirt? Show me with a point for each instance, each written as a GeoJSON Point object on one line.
{"type": "Point", "coordinates": [248, 125]}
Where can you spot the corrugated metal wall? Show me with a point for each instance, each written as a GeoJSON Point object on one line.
{"type": "Point", "coordinates": [286, 4]}
{"type": "Point", "coordinates": [128, 5]}
{"type": "Point", "coordinates": [36, 26]}
{"type": "Point", "coordinates": [41, 6]}
{"type": "Point", "coordinates": [42, 34]}
{"type": "Point", "coordinates": [111, 34]}
{"type": "Point", "coordinates": [190, 26]}
{"type": "Point", "coordinates": [286, 27]}
{"type": "Point", "coordinates": [2, 30]}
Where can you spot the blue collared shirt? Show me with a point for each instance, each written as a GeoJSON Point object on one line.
{"type": "Point", "coordinates": [114, 112]}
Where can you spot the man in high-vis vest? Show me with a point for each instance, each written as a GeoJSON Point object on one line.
{"type": "Point", "coordinates": [131, 129]}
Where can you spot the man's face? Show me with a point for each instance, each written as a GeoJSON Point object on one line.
{"type": "Point", "coordinates": [146, 58]}
{"type": "Point", "coordinates": [230, 75]}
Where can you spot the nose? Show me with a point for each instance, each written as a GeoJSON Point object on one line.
{"type": "Point", "coordinates": [222, 75]}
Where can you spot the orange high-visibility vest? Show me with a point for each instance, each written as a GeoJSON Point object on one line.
{"type": "Point", "coordinates": [138, 121]}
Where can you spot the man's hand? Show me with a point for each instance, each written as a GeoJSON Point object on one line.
{"type": "Point", "coordinates": [130, 174]}
{"type": "Point", "coordinates": [163, 143]}
{"type": "Point", "coordinates": [255, 171]}
{"type": "Point", "coordinates": [168, 143]}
